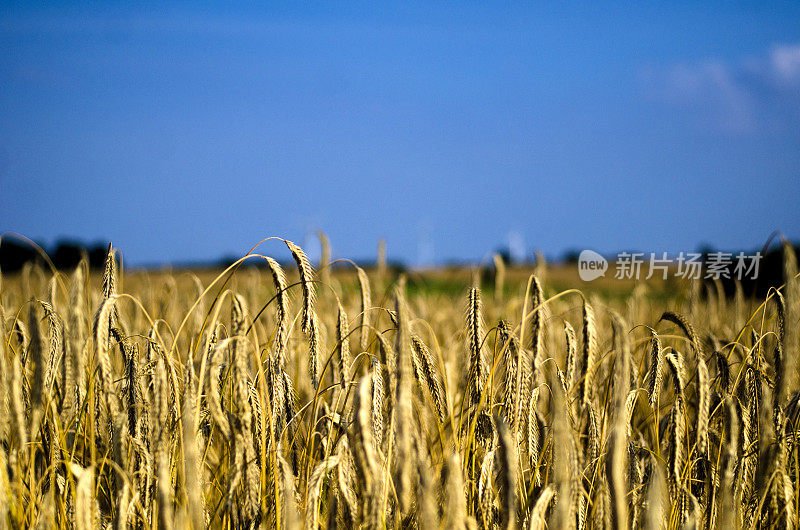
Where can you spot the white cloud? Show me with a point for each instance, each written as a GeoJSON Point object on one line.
{"type": "Point", "coordinates": [785, 63]}
{"type": "Point", "coordinates": [753, 93]}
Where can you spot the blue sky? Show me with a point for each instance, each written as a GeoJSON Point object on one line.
{"type": "Point", "coordinates": [193, 131]}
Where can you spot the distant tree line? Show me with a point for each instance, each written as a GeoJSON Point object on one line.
{"type": "Point", "coordinates": [64, 254]}
{"type": "Point", "coordinates": [770, 273]}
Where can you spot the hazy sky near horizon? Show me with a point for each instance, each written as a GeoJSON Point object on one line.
{"type": "Point", "coordinates": [450, 128]}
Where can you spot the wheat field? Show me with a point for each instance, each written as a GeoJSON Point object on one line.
{"type": "Point", "coordinates": [329, 397]}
